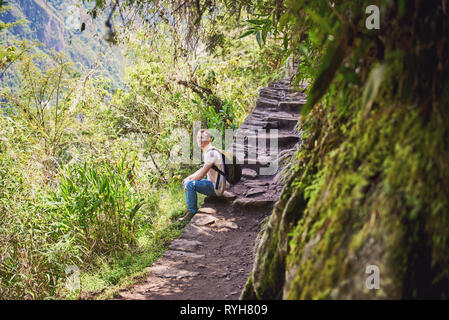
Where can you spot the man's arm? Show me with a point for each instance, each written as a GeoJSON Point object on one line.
{"type": "Point", "coordinates": [202, 172]}
{"type": "Point", "coordinates": [199, 174]}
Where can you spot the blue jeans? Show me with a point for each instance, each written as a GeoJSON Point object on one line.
{"type": "Point", "coordinates": [203, 186]}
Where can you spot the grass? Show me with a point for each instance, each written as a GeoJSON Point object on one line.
{"type": "Point", "coordinates": [111, 275]}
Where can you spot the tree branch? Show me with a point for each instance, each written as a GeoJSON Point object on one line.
{"type": "Point", "coordinates": [205, 94]}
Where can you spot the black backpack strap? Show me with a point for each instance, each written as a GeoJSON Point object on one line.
{"type": "Point", "coordinates": [217, 183]}
{"type": "Point", "coordinates": [221, 173]}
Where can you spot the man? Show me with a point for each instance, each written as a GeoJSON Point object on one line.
{"type": "Point", "coordinates": [214, 185]}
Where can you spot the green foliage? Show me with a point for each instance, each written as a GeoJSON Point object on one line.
{"type": "Point", "coordinates": [167, 94]}
{"type": "Point", "coordinates": [99, 200]}
{"type": "Point", "coordinates": [225, 119]}
{"type": "Point", "coordinates": [165, 204]}
{"type": "Point", "coordinates": [85, 173]}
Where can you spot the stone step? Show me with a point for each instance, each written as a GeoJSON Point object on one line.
{"type": "Point", "coordinates": [259, 150]}
{"type": "Point", "coordinates": [272, 110]}
{"type": "Point", "coordinates": [260, 114]}
{"type": "Point", "coordinates": [182, 254]}
{"type": "Point", "coordinates": [249, 173]}
{"type": "Point", "coordinates": [265, 103]}
{"type": "Point", "coordinates": [269, 172]}
{"type": "Point", "coordinates": [295, 96]}
{"type": "Point", "coordinates": [265, 125]}
{"type": "Point", "coordinates": [295, 105]}
{"type": "Point", "coordinates": [272, 95]}
{"type": "Point", "coordinates": [284, 82]}
{"type": "Point", "coordinates": [283, 139]}
{"type": "Point", "coordinates": [271, 91]}
{"type": "Point", "coordinates": [256, 183]}
{"type": "Point", "coordinates": [170, 272]}
{"type": "Point", "coordinates": [239, 150]}
{"type": "Point", "coordinates": [268, 116]}
{"type": "Point", "coordinates": [280, 87]}
{"type": "Point", "coordinates": [185, 245]}
{"type": "Point", "coordinates": [253, 203]}
{"type": "Point", "coordinates": [257, 191]}
{"type": "Point", "coordinates": [250, 127]}
{"type": "Point", "coordinates": [260, 160]}
{"type": "Point", "coordinates": [260, 123]}
{"type": "Point", "coordinates": [287, 123]}
{"type": "Point", "coordinates": [203, 219]}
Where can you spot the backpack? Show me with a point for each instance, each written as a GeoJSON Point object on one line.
{"type": "Point", "coordinates": [232, 171]}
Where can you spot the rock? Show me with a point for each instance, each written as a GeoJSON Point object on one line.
{"type": "Point", "coordinates": [277, 179]}
{"type": "Point", "coordinates": [248, 202]}
{"type": "Point", "coordinates": [225, 224]}
{"type": "Point", "coordinates": [185, 245]}
{"type": "Point", "coordinates": [182, 254]}
{"type": "Point", "coordinates": [249, 126]}
{"type": "Point", "coordinates": [208, 210]}
{"type": "Point", "coordinates": [201, 219]}
{"type": "Point", "coordinates": [266, 103]}
{"type": "Point", "coordinates": [194, 232]}
{"type": "Point", "coordinates": [228, 195]}
{"type": "Point", "coordinates": [169, 272]}
{"type": "Point", "coordinates": [249, 173]}
{"type": "Point", "coordinates": [292, 105]}
{"type": "Point", "coordinates": [239, 189]}
{"type": "Point", "coordinates": [258, 159]}
{"type": "Point", "coordinates": [255, 184]}
{"type": "Point", "coordinates": [255, 191]}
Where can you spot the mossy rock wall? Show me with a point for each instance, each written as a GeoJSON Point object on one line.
{"type": "Point", "coordinates": [370, 185]}
{"type": "Point", "coordinates": [380, 198]}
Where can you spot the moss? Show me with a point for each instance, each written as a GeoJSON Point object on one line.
{"type": "Point", "coordinates": [267, 274]}
{"type": "Point", "coordinates": [377, 198]}
{"type": "Point", "coordinates": [357, 196]}
{"type": "Point", "coordinates": [248, 292]}
{"type": "Point", "coordinates": [372, 176]}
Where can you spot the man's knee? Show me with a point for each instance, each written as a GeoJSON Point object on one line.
{"type": "Point", "coordinates": [191, 185]}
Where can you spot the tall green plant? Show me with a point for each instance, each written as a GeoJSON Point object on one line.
{"type": "Point", "coordinates": [102, 202]}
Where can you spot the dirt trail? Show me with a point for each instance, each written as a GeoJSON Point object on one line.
{"type": "Point", "coordinates": [214, 255]}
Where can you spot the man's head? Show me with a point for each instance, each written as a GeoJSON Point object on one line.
{"type": "Point", "coordinates": [203, 138]}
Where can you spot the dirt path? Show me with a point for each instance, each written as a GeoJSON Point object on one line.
{"type": "Point", "coordinates": [215, 252]}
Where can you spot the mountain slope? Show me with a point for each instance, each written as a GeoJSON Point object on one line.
{"type": "Point", "coordinates": [57, 24]}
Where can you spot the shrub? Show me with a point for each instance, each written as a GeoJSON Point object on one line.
{"type": "Point", "coordinates": [102, 202]}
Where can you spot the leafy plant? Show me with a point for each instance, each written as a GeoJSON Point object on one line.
{"type": "Point", "coordinates": [102, 202]}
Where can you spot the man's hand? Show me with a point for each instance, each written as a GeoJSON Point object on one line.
{"type": "Point", "coordinates": [186, 180]}
{"type": "Point", "coordinates": [198, 175]}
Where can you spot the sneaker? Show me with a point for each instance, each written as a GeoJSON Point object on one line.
{"type": "Point", "coordinates": [186, 216]}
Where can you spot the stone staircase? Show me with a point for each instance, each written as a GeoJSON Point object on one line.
{"type": "Point", "coordinates": [215, 252]}
{"type": "Point", "coordinates": [277, 108]}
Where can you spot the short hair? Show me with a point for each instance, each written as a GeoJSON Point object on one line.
{"type": "Point", "coordinates": [204, 134]}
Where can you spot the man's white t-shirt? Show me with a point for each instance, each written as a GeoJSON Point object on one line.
{"type": "Point", "coordinates": [211, 155]}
